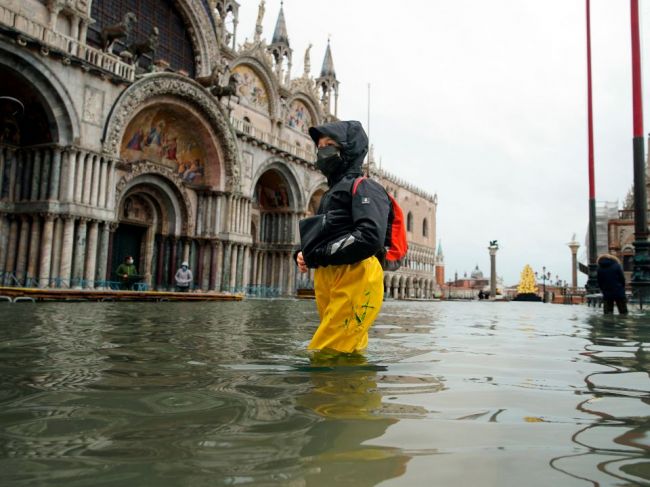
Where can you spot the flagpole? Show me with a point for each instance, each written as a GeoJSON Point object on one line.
{"type": "Point", "coordinates": [592, 283]}
{"type": "Point", "coordinates": [641, 267]}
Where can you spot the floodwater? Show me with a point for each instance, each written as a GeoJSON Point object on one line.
{"type": "Point", "coordinates": [196, 394]}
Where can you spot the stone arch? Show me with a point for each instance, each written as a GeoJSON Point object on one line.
{"type": "Point", "coordinates": [314, 198]}
{"type": "Point", "coordinates": [173, 86]}
{"type": "Point", "coordinates": [268, 78]}
{"type": "Point", "coordinates": [61, 115]}
{"type": "Point", "coordinates": [295, 194]}
{"type": "Point", "coordinates": [315, 114]}
{"type": "Point", "coordinates": [152, 212]}
{"type": "Point", "coordinates": [169, 185]}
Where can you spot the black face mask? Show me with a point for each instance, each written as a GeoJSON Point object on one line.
{"type": "Point", "coordinates": [328, 160]}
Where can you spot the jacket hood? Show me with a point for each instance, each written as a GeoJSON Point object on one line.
{"type": "Point", "coordinates": [606, 260]}
{"type": "Point", "coordinates": [352, 139]}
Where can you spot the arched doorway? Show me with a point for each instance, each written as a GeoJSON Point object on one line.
{"type": "Point", "coordinates": [274, 207]}
{"type": "Point", "coordinates": [151, 218]}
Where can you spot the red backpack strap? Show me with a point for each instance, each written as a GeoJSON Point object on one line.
{"type": "Point", "coordinates": [356, 184]}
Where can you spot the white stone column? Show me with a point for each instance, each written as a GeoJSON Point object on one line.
{"type": "Point", "coordinates": [55, 175]}
{"type": "Point", "coordinates": [79, 173]}
{"type": "Point", "coordinates": [200, 208]}
{"type": "Point", "coordinates": [110, 192]}
{"type": "Point", "coordinates": [91, 256]}
{"type": "Point", "coordinates": [23, 246]}
{"type": "Point", "coordinates": [46, 163]}
{"type": "Point", "coordinates": [233, 266]}
{"type": "Point", "coordinates": [103, 183]}
{"type": "Point", "coordinates": [65, 183]}
{"type": "Point", "coordinates": [67, 246]}
{"type": "Point", "coordinates": [207, 219]}
{"type": "Point", "coordinates": [55, 268]}
{"type": "Point", "coordinates": [94, 192]}
{"type": "Point", "coordinates": [219, 272]}
{"type": "Point", "coordinates": [34, 250]}
{"type": "Point", "coordinates": [46, 251]}
{"type": "Point", "coordinates": [186, 250]}
{"type": "Point", "coordinates": [79, 253]}
{"type": "Point", "coordinates": [217, 215]}
{"type": "Point", "coordinates": [102, 259]}
{"type": "Point", "coordinates": [291, 289]}
{"type": "Point", "coordinates": [88, 179]}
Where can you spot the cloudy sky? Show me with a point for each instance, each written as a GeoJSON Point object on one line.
{"type": "Point", "coordinates": [484, 103]}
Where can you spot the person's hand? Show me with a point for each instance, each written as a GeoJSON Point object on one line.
{"type": "Point", "coordinates": [300, 260]}
{"type": "Point", "coordinates": [125, 276]}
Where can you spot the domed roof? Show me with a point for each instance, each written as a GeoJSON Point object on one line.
{"type": "Point", "coordinates": [477, 273]}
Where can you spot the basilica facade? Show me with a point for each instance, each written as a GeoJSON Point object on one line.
{"type": "Point", "coordinates": [145, 128]}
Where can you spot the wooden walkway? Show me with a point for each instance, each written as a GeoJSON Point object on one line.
{"type": "Point", "coordinates": [39, 294]}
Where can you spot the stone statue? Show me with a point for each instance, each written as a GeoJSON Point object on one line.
{"type": "Point", "coordinates": [307, 61]}
{"type": "Point", "coordinates": [229, 90]}
{"type": "Point", "coordinates": [145, 47]}
{"type": "Point", "coordinates": [124, 29]}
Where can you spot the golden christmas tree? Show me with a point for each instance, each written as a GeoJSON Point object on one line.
{"type": "Point", "coordinates": [527, 281]}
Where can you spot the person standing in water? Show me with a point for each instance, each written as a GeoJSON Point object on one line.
{"type": "Point", "coordinates": [343, 240]}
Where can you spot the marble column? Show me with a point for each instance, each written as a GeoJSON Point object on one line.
{"type": "Point", "coordinates": [4, 239]}
{"type": "Point", "coordinates": [20, 175]}
{"type": "Point", "coordinates": [173, 266]}
{"type": "Point", "coordinates": [103, 174]}
{"type": "Point", "coordinates": [208, 216]}
{"type": "Point", "coordinates": [94, 191]}
{"type": "Point", "coordinates": [226, 266]}
{"type": "Point", "coordinates": [110, 192]}
{"type": "Point", "coordinates": [213, 265]}
{"type": "Point", "coordinates": [102, 259]}
{"type": "Point", "coordinates": [88, 179]}
{"type": "Point", "coordinates": [253, 272]}
{"type": "Point", "coordinates": [80, 170]}
{"type": "Point", "coordinates": [187, 244]}
{"type": "Point", "coordinates": [36, 175]}
{"type": "Point", "coordinates": [79, 253]}
{"type": "Point", "coordinates": [200, 203]}
{"type": "Point", "coordinates": [233, 267]}
{"type": "Point", "coordinates": [55, 267]}
{"type": "Point", "coordinates": [23, 246]}
{"type": "Point", "coordinates": [67, 176]}
{"type": "Point", "coordinates": [46, 251]}
{"type": "Point", "coordinates": [217, 215]}
{"type": "Point", "coordinates": [205, 269]}
{"type": "Point", "coordinates": [292, 274]}
{"type": "Point", "coordinates": [240, 267]}
{"type": "Point", "coordinates": [46, 164]}
{"type": "Point", "coordinates": [91, 256]}
{"type": "Point", "coordinates": [218, 278]}
{"type": "Point", "coordinates": [27, 163]}
{"type": "Point", "coordinates": [13, 168]}
{"type": "Point", "coordinates": [34, 250]}
{"type": "Point", "coordinates": [10, 265]}
{"type": "Point", "coordinates": [161, 261]}
{"type": "Point", "coordinates": [67, 246]}
{"type": "Point", "coordinates": [247, 267]}
{"type": "Point", "coordinates": [3, 160]}
{"type": "Point", "coordinates": [55, 175]}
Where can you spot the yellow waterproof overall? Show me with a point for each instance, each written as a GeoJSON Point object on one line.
{"type": "Point", "coordinates": [348, 298]}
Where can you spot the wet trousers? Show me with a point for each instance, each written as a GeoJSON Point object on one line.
{"type": "Point", "coordinates": [348, 298]}
{"type": "Point", "coordinates": [608, 306]}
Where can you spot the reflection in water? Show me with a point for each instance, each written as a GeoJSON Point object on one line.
{"type": "Point", "coordinates": [344, 393]}
{"type": "Point", "coordinates": [617, 442]}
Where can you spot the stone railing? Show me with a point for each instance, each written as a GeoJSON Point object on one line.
{"type": "Point", "coordinates": [402, 183]}
{"type": "Point", "coordinates": [68, 45]}
{"type": "Point", "coordinates": [307, 154]}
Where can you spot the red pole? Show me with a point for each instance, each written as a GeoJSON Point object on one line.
{"type": "Point", "coordinates": [641, 266]}
{"type": "Point", "coordinates": [590, 117]}
{"type": "Point", "coordinates": [637, 105]}
{"type": "Point", "coordinates": [592, 284]}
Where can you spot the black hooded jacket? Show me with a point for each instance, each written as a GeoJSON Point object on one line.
{"type": "Point", "coordinates": [611, 279]}
{"type": "Point", "coordinates": [347, 228]}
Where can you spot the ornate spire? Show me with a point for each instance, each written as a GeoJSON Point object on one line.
{"type": "Point", "coordinates": [307, 62]}
{"type": "Point", "coordinates": [280, 35]}
{"type": "Point", "coordinates": [258, 25]}
{"type": "Point", "coordinates": [328, 64]}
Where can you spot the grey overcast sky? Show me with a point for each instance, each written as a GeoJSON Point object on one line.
{"type": "Point", "coordinates": [484, 103]}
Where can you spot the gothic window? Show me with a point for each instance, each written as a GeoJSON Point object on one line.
{"type": "Point", "coordinates": [425, 228]}
{"type": "Point", "coordinates": [175, 44]}
{"type": "Point", "coordinates": [409, 222]}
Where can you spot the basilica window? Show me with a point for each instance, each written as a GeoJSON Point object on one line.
{"type": "Point", "coordinates": [175, 43]}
